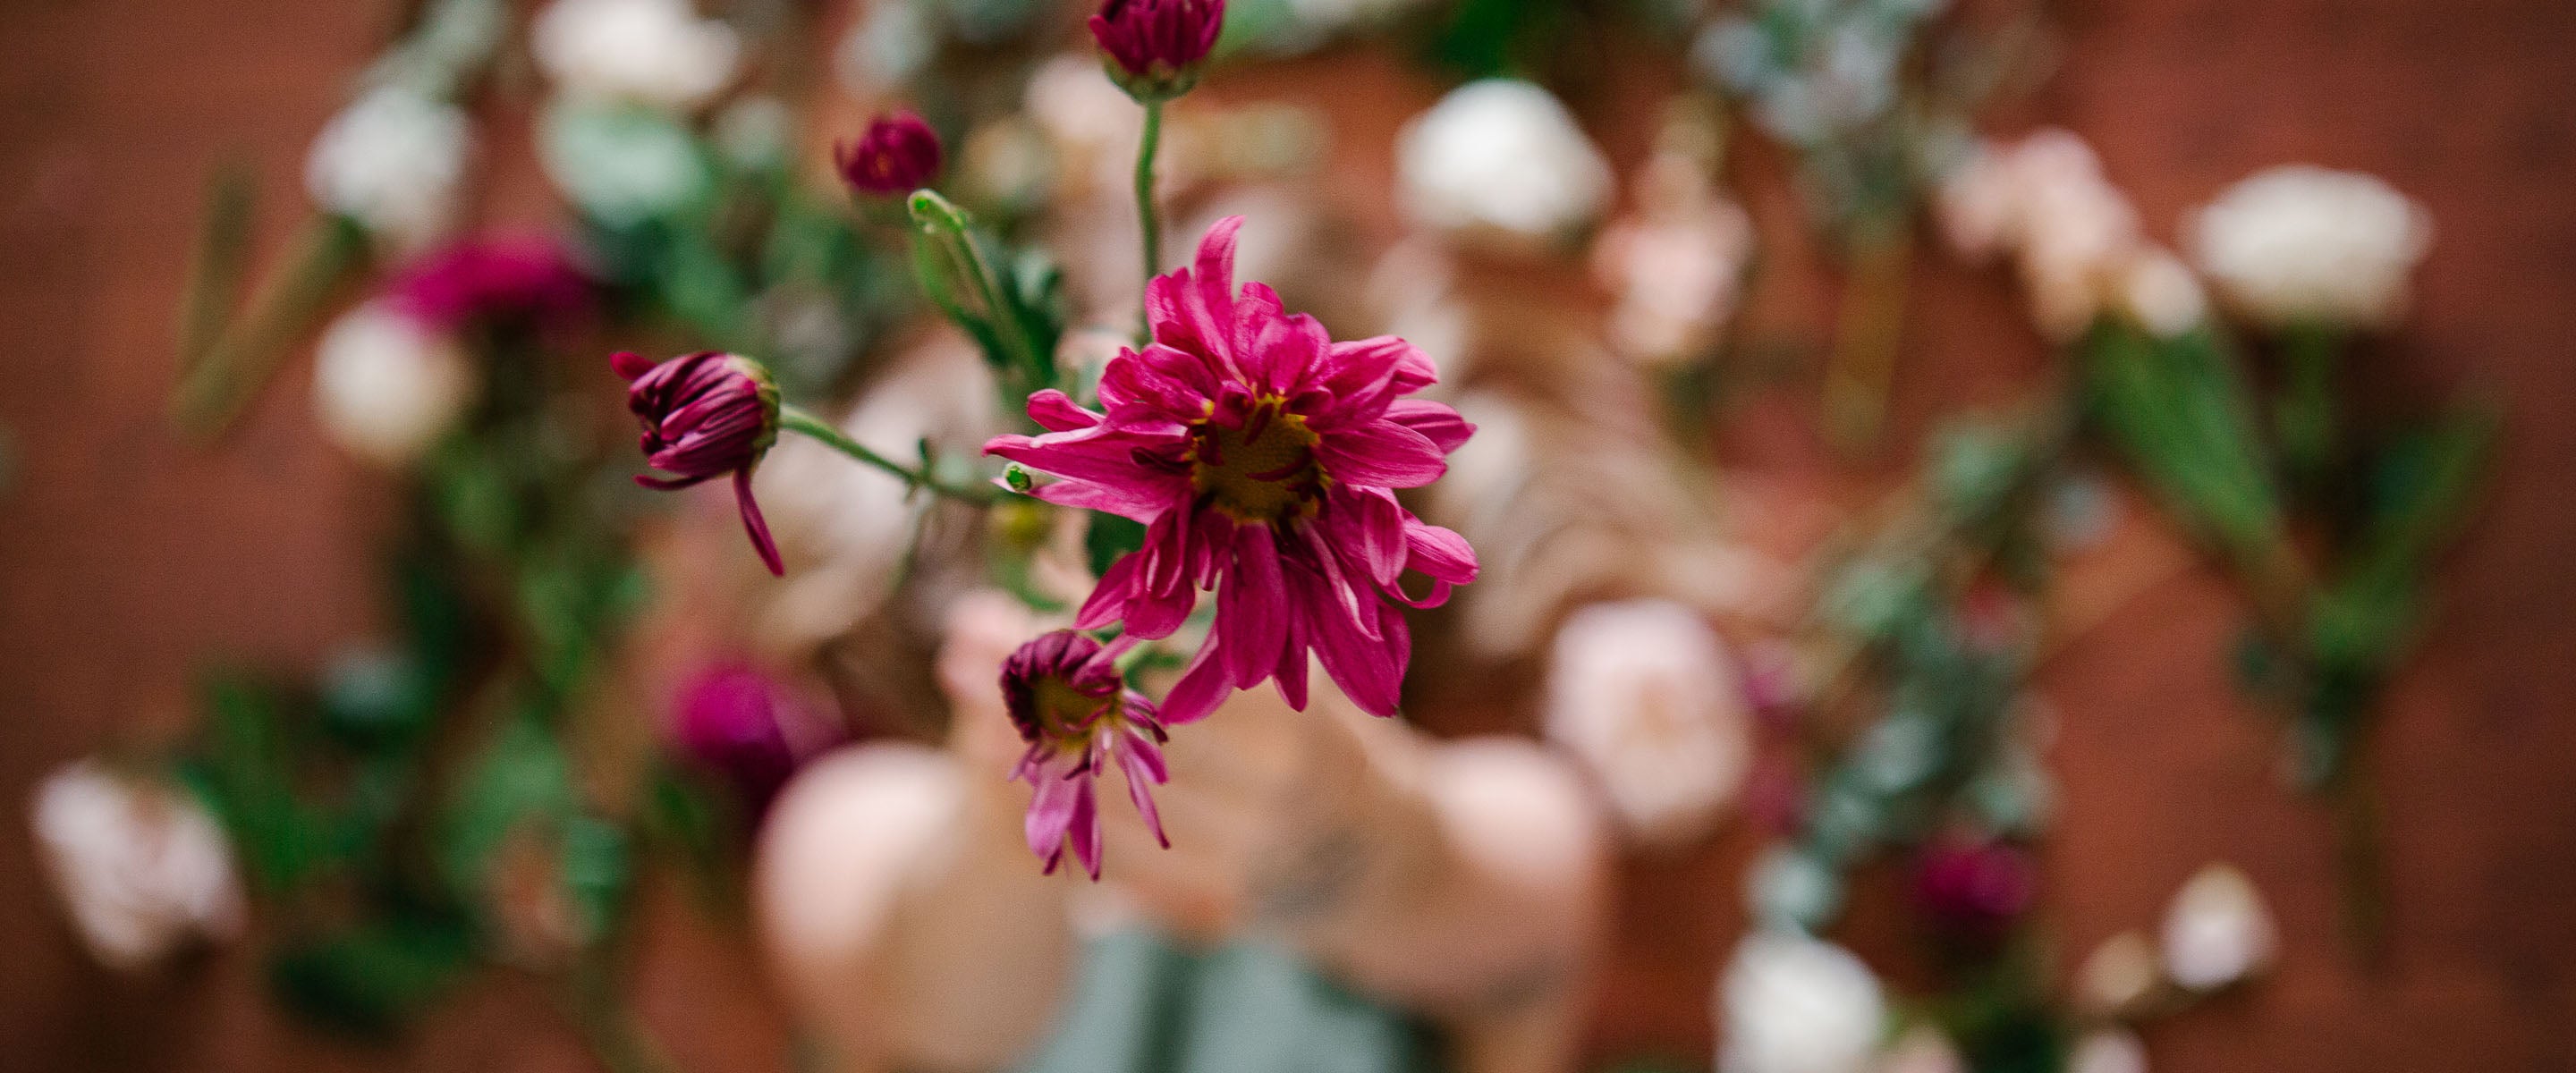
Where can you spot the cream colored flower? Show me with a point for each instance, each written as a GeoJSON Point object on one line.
{"type": "Point", "coordinates": [392, 161]}
{"type": "Point", "coordinates": [386, 386]}
{"type": "Point", "coordinates": [2108, 1050]}
{"type": "Point", "coordinates": [2305, 245]}
{"type": "Point", "coordinates": [2217, 931]}
{"type": "Point", "coordinates": [1500, 160]}
{"type": "Point", "coordinates": [1645, 695]}
{"type": "Point", "coordinates": [655, 52]}
{"type": "Point", "coordinates": [1794, 1004]}
{"type": "Point", "coordinates": [2117, 975]}
{"type": "Point", "coordinates": [141, 867]}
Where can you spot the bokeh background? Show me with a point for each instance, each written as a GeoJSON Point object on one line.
{"type": "Point", "coordinates": [129, 555]}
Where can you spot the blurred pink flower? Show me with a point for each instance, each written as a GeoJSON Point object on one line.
{"type": "Point", "coordinates": [1975, 887]}
{"type": "Point", "coordinates": [706, 415]}
{"type": "Point", "coordinates": [749, 728]}
{"type": "Point", "coordinates": [897, 155]}
{"type": "Point", "coordinates": [1263, 458]}
{"type": "Point", "coordinates": [524, 280]}
{"type": "Point", "coordinates": [1070, 704]}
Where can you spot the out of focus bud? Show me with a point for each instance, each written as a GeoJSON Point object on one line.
{"type": "Point", "coordinates": [141, 867]}
{"type": "Point", "coordinates": [1155, 49]}
{"type": "Point", "coordinates": [2117, 976]}
{"type": "Point", "coordinates": [897, 155]}
{"type": "Point", "coordinates": [748, 728]}
{"type": "Point", "coordinates": [1976, 889]}
{"type": "Point", "coordinates": [2217, 931]}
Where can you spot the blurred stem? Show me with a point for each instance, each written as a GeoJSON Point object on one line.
{"type": "Point", "coordinates": [212, 393]}
{"type": "Point", "coordinates": [214, 276]}
{"type": "Point", "coordinates": [1858, 373]}
{"type": "Point", "coordinates": [608, 1026]}
{"type": "Point", "coordinates": [1147, 219]}
{"type": "Point", "coordinates": [947, 226]}
{"type": "Point", "coordinates": [2359, 861]}
{"type": "Point", "coordinates": [798, 421]}
{"type": "Point", "coordinates": [2306, 417]}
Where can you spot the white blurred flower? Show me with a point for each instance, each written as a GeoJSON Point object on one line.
{"type": "Point", "coordinates": [654, 52]}
{"type": "Point", "coordinates": [392, 161]}
{"type": "Point", "coordinates": [2108, 1050]}
{"type": "Point", "coordinates": [386, 386]}
{"type": "Point", "coordinates": [1500, 159]}
{"type": "Point", "coordinates": [140, 866]}
{"type": "Point", "coordinates": [1793, 1004]}
{"type": "Point", "coordinates": [2306, 245]}
{"type": "Point", "coordinates": [2217, 931]}
{"type": "Point", "coordinates": [2117, 975]}
{"type": "Point", "coordinates": [1645, 695]}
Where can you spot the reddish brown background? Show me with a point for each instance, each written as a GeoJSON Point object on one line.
{"type": "Point", "coordinates": [127, 556]}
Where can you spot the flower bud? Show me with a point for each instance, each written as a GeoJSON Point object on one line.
{"type": "Point", "coordinates": [748, 728]}
{"type": "Point", "coordinates": [1156, 48]}
{"type": "Point", "coordinates": [897, 155]}
{"type": "Point", "coordinates": [706, 415]}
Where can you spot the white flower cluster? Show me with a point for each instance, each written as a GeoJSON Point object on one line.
{"type": "Point", "coordinates": [1644, 694]}
{"type": "Point", "coordinates": [653, 52]}
{"type": "Point", "coordinates": [392, 161]}
{"type": "Point", "coordinates": [141, 867]}
{"type": "Point", "coordinates": [2071, 234]}
{"type": "Point", "coordinates": [2216, 933]}
{"type": "Point", "coordinates": [386, 386]}
{"type": "Point", "coordinates": [2303, 245]}
{"type": "Point", "coordinates": [1502, 163]}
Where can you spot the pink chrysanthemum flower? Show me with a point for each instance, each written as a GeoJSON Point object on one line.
{"type": "Point", "coordinates": [1078, 716]}
{"type": "Point", "coordinates": [1263, 458]}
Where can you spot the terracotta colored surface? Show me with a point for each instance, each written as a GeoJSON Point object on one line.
{"type": "Point", "coordinates": [127, 556]}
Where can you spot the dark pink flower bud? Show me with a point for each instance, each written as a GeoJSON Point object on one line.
{"type": "Point", "coordinates": [896, 156]}
{"type": "Point", "coordinates": [749, 729]}
{"type": "Point", "coordinates": [1074, 709]}
{"type": "Point", "coordinates": [1975, 888]}
{"type": "Point", "coordinates": [528, 280]}
{"type": "Point", "coordinates": [706, 415]}
{"type": "Point", "coordinates": [1156, 48]}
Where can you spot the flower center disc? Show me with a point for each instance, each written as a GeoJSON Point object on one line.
{"type": "Point", "coordinates": [1260, 471]}
{"type": "Point", "coordinates": [1065, 713]}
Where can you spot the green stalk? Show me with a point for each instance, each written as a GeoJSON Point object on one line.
{"type": "Point", "coordinates": [798, 421]}
{"type": "Point", "coordinates": [1147, 219]}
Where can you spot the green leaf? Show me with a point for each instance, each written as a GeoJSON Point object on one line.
{"type": "Point", "coordinates": [1109, 537]}
{"type": "Point", "coordinates": [374, 978]}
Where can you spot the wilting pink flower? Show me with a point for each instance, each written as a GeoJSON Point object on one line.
{"type": "Point", "coordinates": [1262, 457]}
{"type": "Point", "coordinates": [528, 280]}
{"type": "Point", "coordinates": [1977, 888]}
{"type": "Point", "coordinates": [747, 727]}
{"type": "Point", "coordinates": [1070, 704]}
{"type": "Point", "coordinates": [897, 155]}
{"type": "Point", "coordinates": [1156, 47]}
{"type": "Point", "coordinates": [706, 415]}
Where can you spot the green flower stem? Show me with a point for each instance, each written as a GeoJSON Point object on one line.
{"type": "Point", "coordinates": [1147, 219]}
{"type": "Point", "coordinates": [233, 368]}
{"type": "Point", "coordinates": [798, 421]}
{"type": "Point", "coordinates": [2307, 415]}
{"type": "Point", "coordinates": [947, 226]}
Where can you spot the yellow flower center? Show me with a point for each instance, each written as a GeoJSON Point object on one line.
{"type": "Point", "coordinates": [1261, 471]}
{"type": "Point", "coordinates": [1068, 714]}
